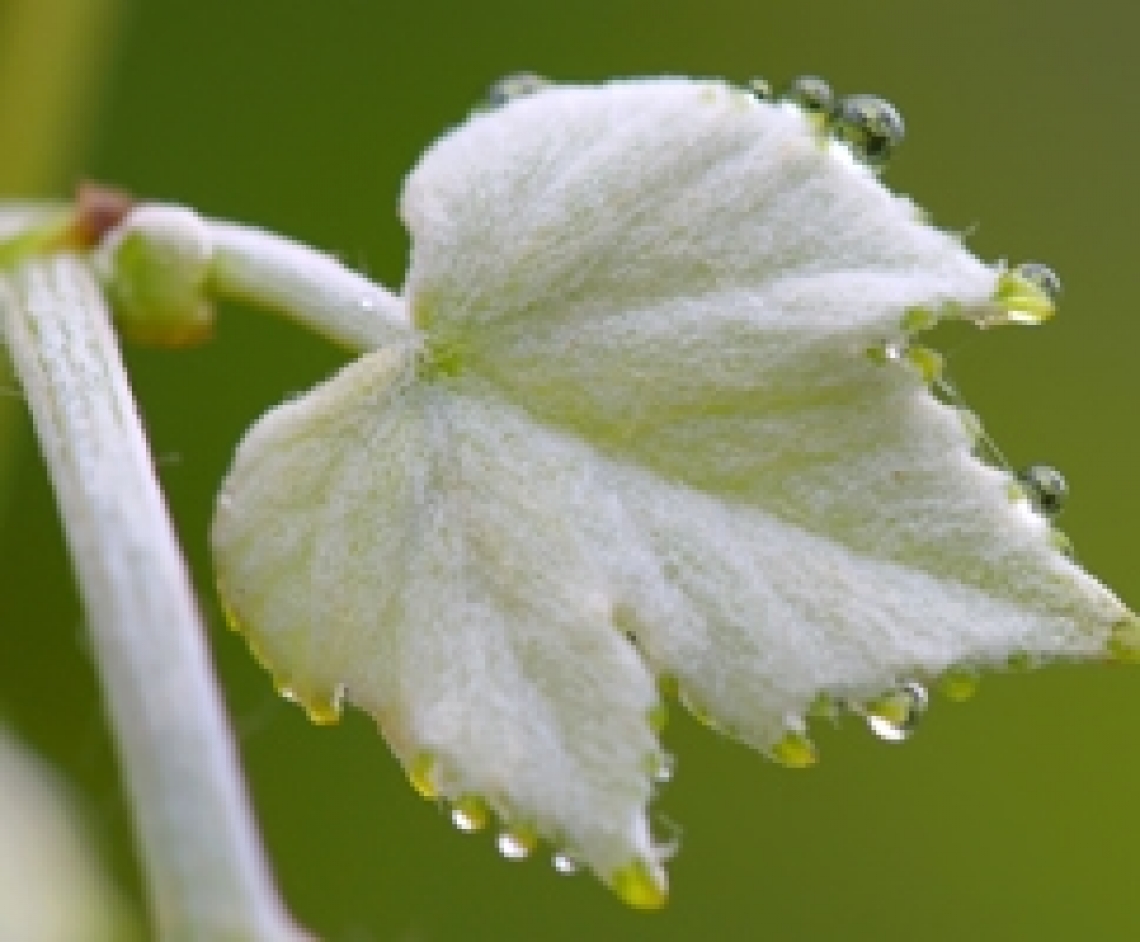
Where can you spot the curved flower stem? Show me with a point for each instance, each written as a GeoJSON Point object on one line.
{"type": "Point", "coordinates": [309, 286]}
{"type": "Point", "coordinates": [208, 878]}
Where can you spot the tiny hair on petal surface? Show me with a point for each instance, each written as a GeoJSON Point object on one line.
{"type": "Point", "coordinates": [661, 427]}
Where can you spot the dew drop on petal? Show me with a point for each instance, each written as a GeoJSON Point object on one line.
{"type": "Point", "coordinates": [825, 707]}
{"type": "Point", "coordinates": [664, 767]}
{"type": "Point", "coordinates": [1046, 488]}
{"type": "Point", "coordinates": [760, 88]}
{"type": "Point", "coordinates": [514, 86]}
{"type": "Point", "coordinates": [564, 863]}
{"type": "Point", "coordinates": [469, 815]}
{"type": "Point", "coordinates": [894, 716]}
{"type": "Point", "coordinates": [1026, 294]}
{"type": "Point", "coordinates": [636, 885]}
{"type": "Point", "coordinates": [514, 845]}
{"type": "Point", "coordinates": [1124, 640]}
{"type": "Point", "coordinates": [812, 95]}
{"type": "Point", "coordinates": [891, 351]}
{"type": "Point", "coordinates": [324, 709]}
{"type": "Point", "coordinates": [421, 774]}
{"type": "Point", "coordinates": [1042, 277]}
{"type": "Point", "coordinates": [959, 683]}
{"type": "Point", "coordinates": [794, 751]}
{"type": "Point", "coordinates": [870, 126]}
{"type": "Point", "coordinates": [917, 319]}
{"type": "Point", "coordinates": [463, 821]}
{"type": "Point", "coordinates": [926, 362]}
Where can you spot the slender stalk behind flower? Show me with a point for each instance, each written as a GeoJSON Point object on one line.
{"type": "Point", "coordinates": [201, 857]}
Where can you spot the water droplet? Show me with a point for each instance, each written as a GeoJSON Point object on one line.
{"type": "Point", "coordinates": [515, 845]}
{"type": "Point", "coordinates": [514, 86]}
{"type": "Point", "coordinates": [894, 716]}
{"type": "Point", "coordinates": [1041, 277]}
{"type": "Point", "coordinates": [322, 709]}
{"type": "Point", "coordinates": [813, 96]}
{"type": "Point", "coordinates": [917, 319]}
{"type": "Point", "coordinates": [888, 352]}
{"type": "Point", "coordinates": [824, 707]}
{"type": "Point", "coordinates": [927, 362]}
{"type": "Point", "coordinates": [421, 774]}
{"type": "Point", "coordinates": [228, 612]}
{"type": "Point", "coordinates": [795, 751]}
{"type": "Point", "coordinates": [1124, 640]}
{"type": "Point", "coordinates": [761, 88]}
{"type": "Point", "coordinates": [959, 683]}
{"type": "Point", "coordinates": [872, 127]}
{"type": "Point", "coordinates": [1046, 488]}
{"type": "Point", "coordinates": [564, 863]}
{"type": "Point", "coordinates": [639, 885]}
{"type": "Point", "coordinates": [664, 767]}
{"type": "Point", "coordinates": [469, 814]}
{"type": "Point", "coordinates": [1026, 295]}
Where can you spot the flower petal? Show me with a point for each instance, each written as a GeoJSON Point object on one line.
{"type": "Point", "coordinates": [619, 258]}
{"type": "Point", "coordinates": [643, 435]}
{"type": "Point", "coordinates": [691, 280]}
{"type": "Point", "coordinates": [432, 553]}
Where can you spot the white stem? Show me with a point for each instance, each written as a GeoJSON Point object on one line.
{"type": "Point", "coordinates": [307, 285]}
{"type": "Point", "coordinates": [207, 874]}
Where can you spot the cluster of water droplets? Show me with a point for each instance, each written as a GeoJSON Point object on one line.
{"type": "Point", "coordinates": [471, 816]}
{"type": "Point", "coordinates": [892, 716]}
{"type": "Point", "coordinates": [870, 126]}
{"type": "Point", "coordinates": [1028, 294]}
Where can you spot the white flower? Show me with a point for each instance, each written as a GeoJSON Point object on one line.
{"type": "Point", "coordinates": [661, 427]}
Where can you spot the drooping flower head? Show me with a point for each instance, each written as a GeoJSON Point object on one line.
{"type": "Point", "coordinates": [660, 428]}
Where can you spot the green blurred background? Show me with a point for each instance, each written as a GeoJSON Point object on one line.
{"type": "Point", "coordinates": [1013, 816]}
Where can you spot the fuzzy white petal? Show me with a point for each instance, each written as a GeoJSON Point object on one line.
{"type": "Point", "coordinates": [410, 544]}
{"type": "Point", "coordinates": [640, 435]}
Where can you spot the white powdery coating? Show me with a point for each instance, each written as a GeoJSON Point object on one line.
{"type": "Point", "coordinates": [665, 452]}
